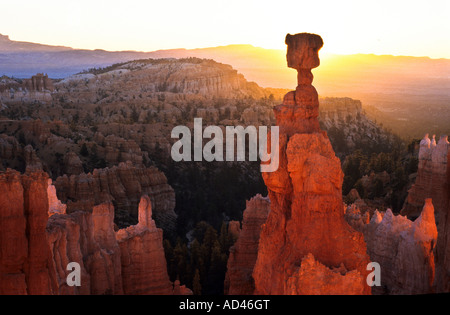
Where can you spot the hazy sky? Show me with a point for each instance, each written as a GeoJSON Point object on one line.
{"type": "Point", "coordinates": [397, 27]}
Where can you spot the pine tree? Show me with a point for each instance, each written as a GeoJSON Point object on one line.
{"type": "Point", "coordinates": [196, 285]}
{"type": "Point", "coordinates": [180, 254]}
{"type": "Point", "coordinates": [225, 239]}
{"type": "Point", "coordinates": [84, 150]}
{"type": "Point", "coordinates": [217, 270]}
{"type": "Point", "coordinates": [170, 260]}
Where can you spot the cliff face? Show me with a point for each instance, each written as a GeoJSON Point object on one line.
{"type": "Point", "coordinates": [38, 239]}
{"type": "Point", "coordinates": [244, 252]}
{"type": "Point", "coordinates": [305, 236]}
{"type": "Point", "coordinates": [431, 177]}
{"type": "Point", "coordinates": [126, 183]}
{"type": "Point", "coordinates": [404, 249]}
{"type": "Point", "coordinates": [87, 238]}
{"type": "Point", "coordinates": [25, 265]}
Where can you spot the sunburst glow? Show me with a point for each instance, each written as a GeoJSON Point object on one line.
{"type": "Point", "coordinates": [414, 28]}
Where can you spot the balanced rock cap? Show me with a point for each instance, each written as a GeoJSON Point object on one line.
{"type": "Point", "coordinates": [303, 50]}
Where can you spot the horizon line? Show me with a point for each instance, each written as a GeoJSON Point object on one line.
{"type": "Point", "coordinates": [209, 47]}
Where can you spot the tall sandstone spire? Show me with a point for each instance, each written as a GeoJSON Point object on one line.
{"type": "Point", "coordinates": [306, 246]}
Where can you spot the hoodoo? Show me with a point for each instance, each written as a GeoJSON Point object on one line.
{"type": "Point", "coordinates": [305, 239]}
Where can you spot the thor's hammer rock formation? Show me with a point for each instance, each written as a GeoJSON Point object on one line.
{"type": "Point", "coordinates": [306, 246]}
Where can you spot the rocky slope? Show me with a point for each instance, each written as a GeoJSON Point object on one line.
{"type": "Point", "coordinates": [349, 128]}
{"type": "Point", "coordinates": [31, 145]}
{"type": "Point", "coordinates": [306, 237]}
{"type": "Point", "coordinates": [190, 76]}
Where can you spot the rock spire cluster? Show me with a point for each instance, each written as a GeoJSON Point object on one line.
{"type": "Point", "coordinates": [39, 238]}
{"type": "Point", "coordinates": [431, 177]}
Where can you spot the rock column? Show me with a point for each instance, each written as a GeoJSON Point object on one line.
{"type": "Point", "coordinates": [306, 246]}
